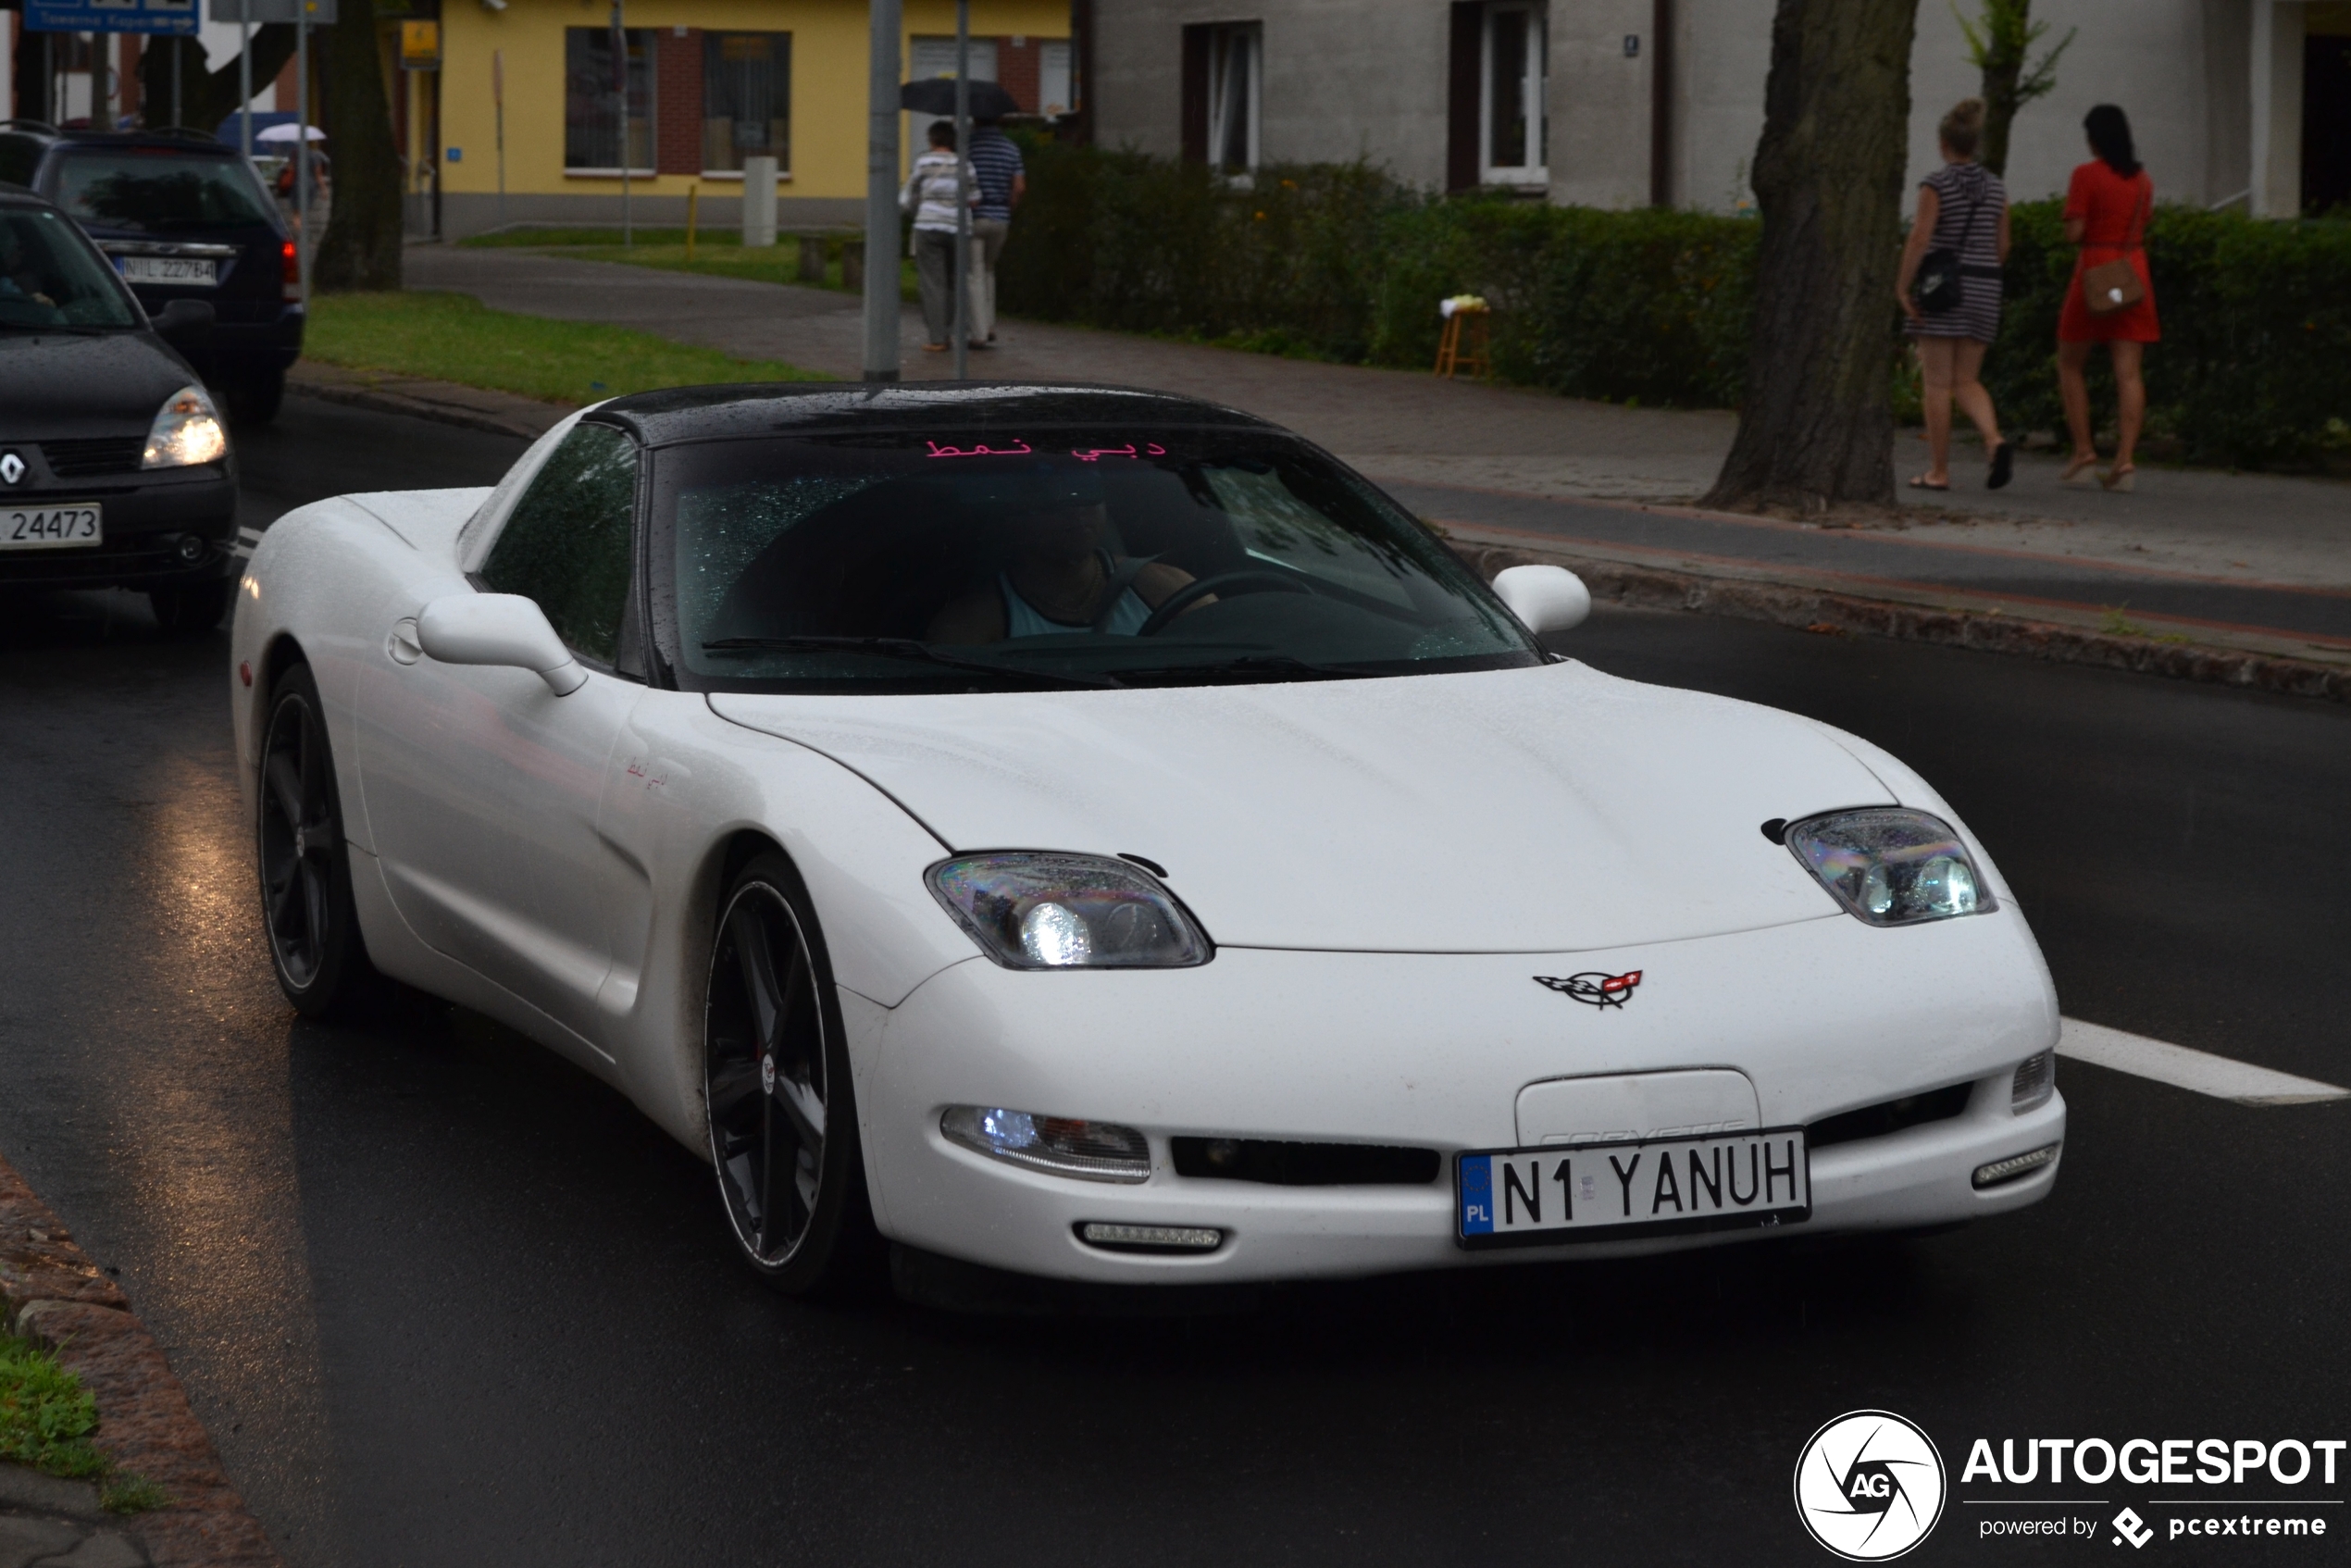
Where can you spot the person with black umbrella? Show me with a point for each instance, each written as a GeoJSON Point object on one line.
{"type": "Point", "coordinates": [1002, 180]}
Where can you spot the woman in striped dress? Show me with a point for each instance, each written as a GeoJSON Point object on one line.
{"type": "Point", "coordinates": [1963, 210]}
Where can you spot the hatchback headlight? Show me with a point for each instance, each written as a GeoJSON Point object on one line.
{"type": "Point", "coordinates": [1890, 865]}
{"type": "Point", "coordinates": [1040, 909]}
{"type": "Point", "coordinates": [186, 432]}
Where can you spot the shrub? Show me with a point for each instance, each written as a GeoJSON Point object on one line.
{"type": "Point", "coordinates": [2254, 362]}
{"type": "Point", "coordinates": [1339, 261]}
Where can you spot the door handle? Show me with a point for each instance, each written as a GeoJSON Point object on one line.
{"type": "Point", "coordinates": [401, 646]}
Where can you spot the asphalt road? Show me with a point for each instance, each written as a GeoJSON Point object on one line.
{"type": "Point", "coordinates": [445, 1302]}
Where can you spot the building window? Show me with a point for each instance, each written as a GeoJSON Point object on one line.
{"type": "Point", "coordinates": [935, 56]}
{"type": "Point", "coordinates": [1224, 68]}
{"type": "Point", "coordinates": [591, 128]}
{"type": "Point", "coordinates": [1053, 86]}
{"type": "Point", "coordinates": [746, 100]}
{"type": "Point", "coordinates": [1515, 120]}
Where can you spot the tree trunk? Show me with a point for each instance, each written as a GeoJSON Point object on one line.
{"type": "Point", "coordinates": [1816, 426]}
{"type": "Point", "coordinates": [206, 97]}
{"type": "Point", "coordinates": [361, 249]}
{"type": "Point", "coordinates": [2000, 74]}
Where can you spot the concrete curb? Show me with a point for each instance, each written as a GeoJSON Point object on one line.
{"type": "Point", "coordinates": [50, 1290]}
{"type": "Point", "coordinates": [1820, 610]}
{"type": "Point", "coordinates": [474, 408]}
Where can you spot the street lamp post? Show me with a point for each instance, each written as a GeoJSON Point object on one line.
{"type": "Point", "coordinates": [963, 189]}
{"type": "Point", "coordinates": [881, 195]}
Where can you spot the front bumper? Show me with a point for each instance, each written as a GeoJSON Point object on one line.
{"type": "Point", "coordinates": [1431, 1052]}
{"type": "Point", "coordinates": [146, 516]}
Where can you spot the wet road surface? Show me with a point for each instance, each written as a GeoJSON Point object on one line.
{"type": "Point", "coordinates": [444, 1300]}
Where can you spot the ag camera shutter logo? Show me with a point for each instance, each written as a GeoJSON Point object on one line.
{"type": "Point", "coordinates": [1870, 1485]}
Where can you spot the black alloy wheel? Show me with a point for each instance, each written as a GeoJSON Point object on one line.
{"type": "Point", "coordinates": [315, 944]}
{"type": "Point", "coordinates": [776, 1089]}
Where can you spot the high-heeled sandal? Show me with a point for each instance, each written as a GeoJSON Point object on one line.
{"type": "Point", "coordinates": [2074, 469]}
{"type": "Point", "coordinates": [2117, 481]}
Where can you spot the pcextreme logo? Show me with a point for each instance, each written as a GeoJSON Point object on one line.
{"type": "Point", "coordinates": [1870, 1485]}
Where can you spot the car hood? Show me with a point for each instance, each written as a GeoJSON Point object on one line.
{"type": "Point", "coordinates": [1550, 809]}
{"type": "Point", "coordinates": [62, 384]}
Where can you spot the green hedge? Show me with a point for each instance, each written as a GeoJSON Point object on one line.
{"type": "Point", "coordinates": [1337, 261]}
{"type": "Point", "coordinates": [2254, 369]}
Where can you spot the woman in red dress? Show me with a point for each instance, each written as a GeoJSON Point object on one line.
{"type": "Point", "coordinates": [2106, 209]}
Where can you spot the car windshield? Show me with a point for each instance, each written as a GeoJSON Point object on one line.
{"type": "Point", "coordinates": [160, 192]}
{"type": "Point", "coordinates": [1080, 557]}
{"type": "Point", "coordinates": [51, 277]}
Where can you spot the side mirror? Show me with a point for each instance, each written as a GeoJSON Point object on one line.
{"type": "Point", "coordinates": [185, 324]}
{"type": "Point", "coordinates": [1545, 598]}
{"type": "Point", "coordinates": [498, 629]}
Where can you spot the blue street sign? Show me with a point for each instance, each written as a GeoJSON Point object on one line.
{"type": "Point", "coordinates": [110, 15]}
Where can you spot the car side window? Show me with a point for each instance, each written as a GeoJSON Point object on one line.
{"type": "Point", "coordinates": [19, 156]}
{"type": "Point", "coordinates": [566, 544]}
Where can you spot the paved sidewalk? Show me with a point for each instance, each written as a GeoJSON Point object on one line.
{"type": "Point", "coordinates": [2253, 561]}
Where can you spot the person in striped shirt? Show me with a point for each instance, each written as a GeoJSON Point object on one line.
{"type": "Point", "coordinates": [1002, 180]}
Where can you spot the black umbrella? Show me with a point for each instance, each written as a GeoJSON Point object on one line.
{"type": "Point", "coordinates": [936, 96]}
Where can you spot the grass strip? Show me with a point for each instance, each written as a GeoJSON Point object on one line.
{"type": "Point", "coordinates": [719, 253]}
{"type": "Point", "coordinates": [45, 1421]}
{"type": "Point", "coordinates": [455, 338]}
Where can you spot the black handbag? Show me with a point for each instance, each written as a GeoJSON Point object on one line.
{"type": "Point", "coordinates": [1936, 286]}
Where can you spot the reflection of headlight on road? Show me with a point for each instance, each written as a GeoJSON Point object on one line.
{"type": "Point", "coordinates": [1890, 867]}
{"type": "Point", "coordinates": [1040, 909]}
{"type": "Point", "coordinates": [187, 431]}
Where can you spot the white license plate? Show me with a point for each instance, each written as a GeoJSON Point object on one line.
{"type": "Point", "coordinates": [49, 528]}
{"type": "Point", "coordinates": [1566, 1193]}
{"type": "Point", "coordinates": [169, 269]}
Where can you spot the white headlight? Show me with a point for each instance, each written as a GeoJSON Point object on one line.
{"type": "Point", "coordinates": [1890, 865]}
{"type": "Point", "coordinates": [1032, 908]}
{"type": "Point", "coordinates": [186, 432]}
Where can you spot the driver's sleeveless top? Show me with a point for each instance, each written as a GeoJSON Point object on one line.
{"type": "Point", "coordinates": [1023, 619]}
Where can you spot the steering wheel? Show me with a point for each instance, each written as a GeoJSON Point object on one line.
{"type": "Point", "coordinates": [1193, 593]}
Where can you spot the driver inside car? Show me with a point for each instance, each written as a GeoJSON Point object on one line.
{"type": "Point", "coordinates": [1063, 577]}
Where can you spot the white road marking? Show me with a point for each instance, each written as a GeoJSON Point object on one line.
{"type": "Point", "coordinates": [2182, 1068]}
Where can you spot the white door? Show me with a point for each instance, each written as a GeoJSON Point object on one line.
{"type": "Point", "coordinates": [483, 786]}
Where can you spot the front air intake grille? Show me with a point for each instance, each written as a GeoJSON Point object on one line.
{"type": "Point", "coordinates": [98, 454]}
{"type": "Point", "coordinates": [1892, 1115]}
{"type": "Point", "coordinates": [1305, 1165]}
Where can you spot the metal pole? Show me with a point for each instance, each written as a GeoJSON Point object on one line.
{"type": "Point", "coordinates": [620, 91]}
{"type": "Point", "coordinates": [244, 75]}
{"type": "Point", "coordinates": [963, 189]}
{"type": "Point", "coordinates": [498, 99]}
{"type": "Point", "coordinates": [881, 195]}
{"type": "Point", "coordinates": [302, 149]}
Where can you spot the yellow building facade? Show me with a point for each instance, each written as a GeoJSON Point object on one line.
{"type": "Point", "coordinates": [710, 84]}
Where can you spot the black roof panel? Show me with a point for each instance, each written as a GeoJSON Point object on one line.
{"type": "Point", "coordinates": [758, 408]}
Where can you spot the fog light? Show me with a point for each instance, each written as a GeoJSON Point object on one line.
{"type": "Point", "coordinates": [1150, 1238]}
{"type": "Point", "coordinates": [190, 548]}
{"type": "Point", "coordinates": [2015, 1165]}
{"type": "Point", "coordinates": [1062, 1145]}
{"type": "Point", "coordinates": [2036, 1081]}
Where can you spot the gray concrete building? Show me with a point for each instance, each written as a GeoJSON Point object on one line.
{"type": "Point", "coordinates": [1624, 103]}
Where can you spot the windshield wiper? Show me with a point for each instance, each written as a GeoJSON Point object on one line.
{"type": "Point", "coordinates": [897, 648]}
{"type": "Point", "coordinates": [1253, 666]}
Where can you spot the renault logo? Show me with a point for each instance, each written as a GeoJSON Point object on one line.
{"type": "Point", "coordinates": [12, 468]}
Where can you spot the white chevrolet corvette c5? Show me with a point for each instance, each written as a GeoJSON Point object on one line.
{"type": "Point", "coordinates": [1095, 834]}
